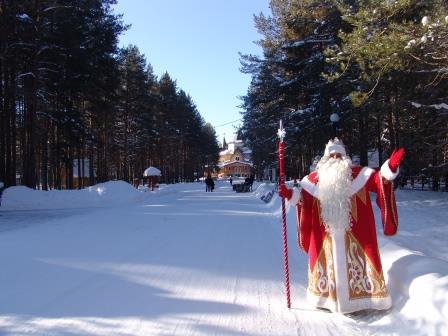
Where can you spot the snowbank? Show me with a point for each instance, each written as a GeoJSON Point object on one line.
{"type": "Point", "coordinates": [419, 286]}
{"type": "Point", "coordinates": [111, 193]}
{"type": "Point", "coordinates": [415, 265]}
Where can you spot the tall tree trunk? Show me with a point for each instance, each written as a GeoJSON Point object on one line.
{"type": "Point", "coordinates": [363, 138]}
{"type": "Point", "coordinates": [378, 140]}
{"type": "Point", "coordinates": [7, 98]}
{"type": "Point", "coordinates": [10, 118]}
{"type": "Point", "coordinates": [391, 122]}
{"type": "Point", "coordinates": [91, 166]}
{"type": "Point", "coordinates": [44, 158]}
{"type": "Point", "coordinates": [79, 172]}
{"type": "Point", "coordinates": [3, 127]}
{"type": "Point", "coordinates": [69, 164]}
{"type": "Point", "coordinates": [29, 157]}
{"type": "Point", "coordinates": [31, 82]}
{"type": "Point", "coordinates": [57, 163]}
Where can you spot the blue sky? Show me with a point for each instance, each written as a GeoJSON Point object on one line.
{"type": "Point", "coordinates": [197, 42]}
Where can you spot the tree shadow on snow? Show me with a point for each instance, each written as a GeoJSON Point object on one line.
{"type": "Point", "coordinates": [106, 299]}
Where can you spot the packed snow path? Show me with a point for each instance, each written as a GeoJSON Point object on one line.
{"type": "Point", "coordinates": [181, 262]}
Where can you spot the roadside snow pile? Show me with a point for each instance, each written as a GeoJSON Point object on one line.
{"type": "Point", "coordinates": [111, 193]}
{"type": "Point", "coordinates": [418, 283]}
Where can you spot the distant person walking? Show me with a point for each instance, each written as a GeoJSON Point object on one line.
{"type": "Point", "coordinates": [249, 181]}
{"type": "Point", "coordinates": [209, 184]}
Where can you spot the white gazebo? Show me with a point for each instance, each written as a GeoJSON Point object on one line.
{"type": "Point", "coordinates": [152, 171]}
{"type": "Point", "coordinates": [152, 174]}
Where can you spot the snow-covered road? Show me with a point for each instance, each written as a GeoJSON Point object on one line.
{"type": "Point", "coordinates": [184, 262]}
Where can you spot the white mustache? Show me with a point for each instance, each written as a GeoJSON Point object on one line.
{"type": "Point", "coordinates": [332, 161]}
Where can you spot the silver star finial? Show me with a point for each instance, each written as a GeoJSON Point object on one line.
{"type": "Point", "coordinates": [281, 132]}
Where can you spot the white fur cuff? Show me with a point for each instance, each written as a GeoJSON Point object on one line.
{"type": "Point", "coordinates": [295, 197]}
{"type": "Point", "coordinates": [387, 173]}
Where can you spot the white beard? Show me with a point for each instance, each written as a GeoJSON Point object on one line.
{"type": "Point", "coordinates": [334, 189]}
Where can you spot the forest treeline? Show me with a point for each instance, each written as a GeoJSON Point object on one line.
{"type": "Point", "coordinates": [69, 95]}
{"type": "Point", "coordinates": [381, 65]}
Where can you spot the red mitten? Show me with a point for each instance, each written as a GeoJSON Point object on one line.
{"type": "Point", "coordinates": [284, 192]}
{"type": "Point", "coordinates": [395, 158]}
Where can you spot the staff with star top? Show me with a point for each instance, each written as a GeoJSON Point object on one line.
{"type": "Point", "coordinates": [336, 228]}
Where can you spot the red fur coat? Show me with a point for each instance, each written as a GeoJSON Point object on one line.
{"type": "Point", "coordinates": [345, 273]}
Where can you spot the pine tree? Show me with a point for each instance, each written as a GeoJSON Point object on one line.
{"type": "Point", "coordinates": [132, 107]}
{"type": "Point", "coordinates": [210, 149]}
{"type": "Point", "coordinates": [390, 45]}
{"type": "Point", "coordinates": [288, 82]}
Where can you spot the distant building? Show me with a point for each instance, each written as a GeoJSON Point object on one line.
{"type": "Point", "coordinates": [235, 160]}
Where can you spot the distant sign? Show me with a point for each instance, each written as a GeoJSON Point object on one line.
{"type": "Point", "coordinates": [267, 196]}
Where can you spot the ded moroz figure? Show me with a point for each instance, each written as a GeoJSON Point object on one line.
{"type": "Point", "coordinates": [336, 228]}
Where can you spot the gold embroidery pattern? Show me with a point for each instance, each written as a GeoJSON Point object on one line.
{"type": "Point", "coordinates": [299, 224]}
{"type": "Point", "coordinates": [321, 279]}
{"type": "Point", "coordinates": [363, 279]}
{"type": "Point", "coordinates": [316, 207]}
{"type": "Point", "coordinates": [361, 195]}
{"type": "Point", "coordinates": [354, 208]}
{"type": "Point", "coordinates": [392, 209]}
{"type": "Point", "coordinates": [386, 204]}
{"type": "Point", "coordinates": [382, 195]}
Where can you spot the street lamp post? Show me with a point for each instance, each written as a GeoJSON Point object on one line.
{"type": "Point", "coordinates": [334, 118]}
